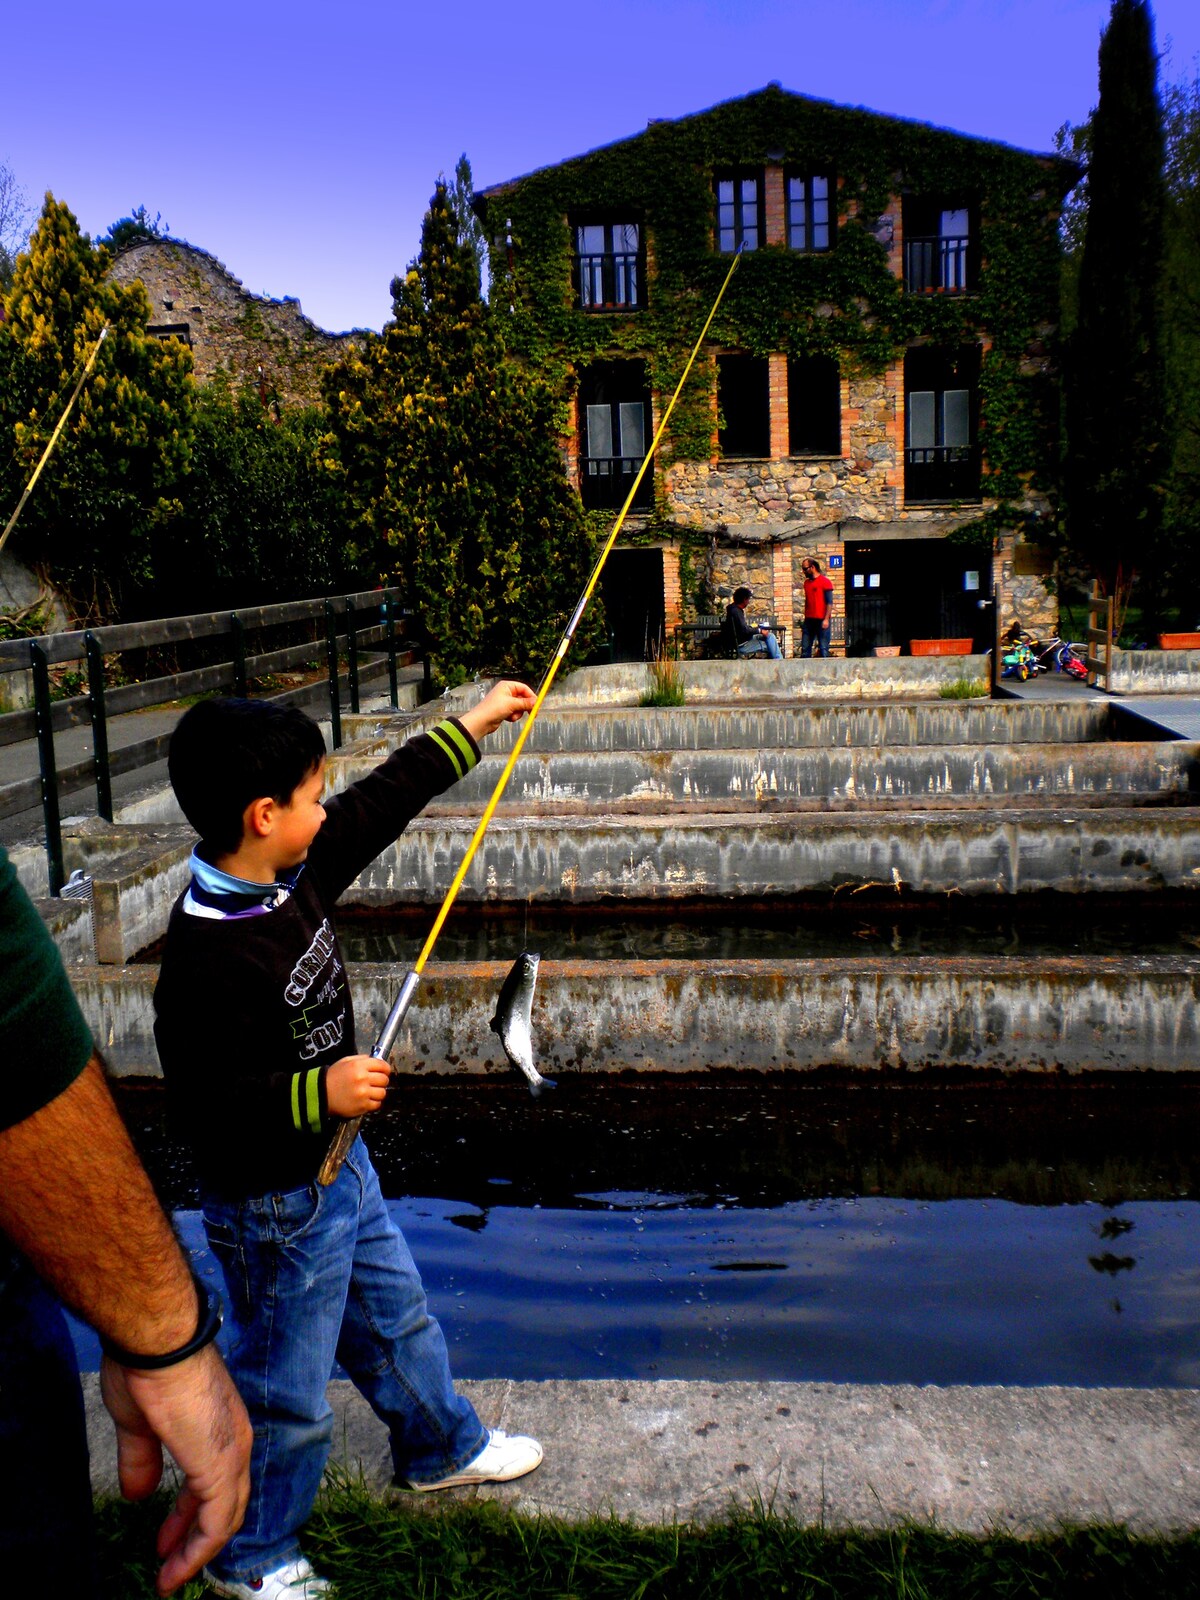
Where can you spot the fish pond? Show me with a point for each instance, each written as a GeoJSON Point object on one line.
{"type": "Point", "coordinates": [835, 1228]}
{"type": "Point", "coordinates": [878, 922]}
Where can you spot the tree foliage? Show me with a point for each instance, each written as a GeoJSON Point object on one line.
{"type": "Point", "coordinates": [454, 483]}
{"type": "Point", "coordinates": [259, 520]}
{"type": "Point", "coordinates": [1116, 456]}
{"type": "Point", "coordinates": [113, 476]}
{"type": "Point", "coordinates": [139, 224]}
{"type": "Point", "coordinates": [1181, 326]}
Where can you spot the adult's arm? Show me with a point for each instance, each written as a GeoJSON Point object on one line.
{"type": "Point", "coordinates": [76, 1200]}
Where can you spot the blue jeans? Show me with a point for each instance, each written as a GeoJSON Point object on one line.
{"type": "Point", "coordinates": [763, 644]}
{"type": "Point", "coordinates": [46, 1540]}
{"type": "Point", "coordinates": [815, 632]}
{"type": "Point", "coordinates": [313, 1274]}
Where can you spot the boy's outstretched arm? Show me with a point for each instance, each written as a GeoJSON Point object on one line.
{"type": "Point", "coordinates": [505, 701]}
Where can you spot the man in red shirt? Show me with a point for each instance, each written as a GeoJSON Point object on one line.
{"type": "Point", "coordinates": [818, 608]}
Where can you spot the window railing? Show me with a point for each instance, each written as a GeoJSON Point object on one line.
{"type": "Point", "coordinates": [604, 482]}
{"type": "Point", "coordinates": [610, 282]}
{"type": "Point", "coordinates": [937, 265]}
{"type": "Point", "coordinates": [942, 472]}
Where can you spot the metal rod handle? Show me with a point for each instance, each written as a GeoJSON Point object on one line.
{"type": "Point", "coordinates": [340, 1144]}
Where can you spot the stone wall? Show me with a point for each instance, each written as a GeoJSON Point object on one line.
{"type": "Point", "coordinates": [248, 337]}
{"type": "Point", "coordinates": [865, 481]}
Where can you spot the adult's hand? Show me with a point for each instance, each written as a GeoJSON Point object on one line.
{"type": "Point", "coordinates": [195, 1411]}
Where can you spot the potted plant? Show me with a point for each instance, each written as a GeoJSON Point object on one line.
{"type": "Point", "coordinates": [941, 647]}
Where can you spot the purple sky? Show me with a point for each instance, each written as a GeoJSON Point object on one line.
{"type": "Point", "coordinates": [300, 143]}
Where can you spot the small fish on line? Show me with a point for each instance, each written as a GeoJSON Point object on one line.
{"type": "Point", "coordinates": [512, 1019]}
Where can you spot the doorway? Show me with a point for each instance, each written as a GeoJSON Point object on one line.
{"type": "Point", "coordinates": [902, 589]}
{"type": "Point", "coordinates": [632, 585]}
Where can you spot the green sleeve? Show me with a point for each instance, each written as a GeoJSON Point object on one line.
{"type": "Point", "coordinates": [44, 1041]}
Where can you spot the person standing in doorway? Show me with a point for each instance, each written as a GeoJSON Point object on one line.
{"type": "Point", "coordinates": [818, 608]}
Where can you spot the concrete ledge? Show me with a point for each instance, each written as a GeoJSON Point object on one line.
{"type": "Point", "coordinates": [838, 678]}
{"type": "Point", "coordinates": [970, 1460]}
{"type": "Point", "coordinates": [824, 725]}
{"type": "Point", "coordinates": [615, 856]}
{"type": "Point", "coordinates": [1078, 1014]}
{"type": "Point", "coordinates": [917, 772]}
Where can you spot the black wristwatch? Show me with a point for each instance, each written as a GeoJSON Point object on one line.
{"type": "Point", "coordinates": [208, 1325]}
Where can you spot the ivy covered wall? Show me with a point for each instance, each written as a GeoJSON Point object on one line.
{"type": "Point", "coordinates": [848, 303]}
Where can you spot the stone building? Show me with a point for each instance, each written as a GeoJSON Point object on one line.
{"type": "Point", "coordinates": [250, 338]}
{"type": "Point", "coordinates": [878, 388]}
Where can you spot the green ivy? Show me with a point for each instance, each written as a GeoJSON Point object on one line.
{"type": "Point", "coordinates": [845, 303]}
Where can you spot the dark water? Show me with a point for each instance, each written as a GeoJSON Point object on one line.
{"type": "Point", "coordinates": [931, 1232]}
{"type": "Point", "coordinates": [873, 1290]}
{"type": "Point", "coordinates": [817, 927]}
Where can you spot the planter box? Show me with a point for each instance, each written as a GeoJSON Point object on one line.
{"type": "Point", "coordinates": [1179, 641]}
{"type": "Point", "coordinates": [941, 647]}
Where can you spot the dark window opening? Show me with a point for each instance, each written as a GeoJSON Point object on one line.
{"type": "Point", "coordinates": [170, 330]}
{"type": "Point", "coordinates": [739, 210]}
{"type": "Point", "coordinates": [814, 406]}
{"type": "Point", "coordinates": [608, 265]}
{"type": "Point", "coordinates": [809, 212]}
{"type": "Point", "coordinates": [743, 402]}
{"type": "Point", "coordinates": [614, 428]}
{"type": "Point", "coordinates": [939, 245]}
{"type": "Point", "coordinates": [941, 424]}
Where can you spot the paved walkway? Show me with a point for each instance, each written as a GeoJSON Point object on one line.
{"type": "Point", "coordinates": [839, 1455]}
{"type": "Point", "coordinates": [1177, 715]}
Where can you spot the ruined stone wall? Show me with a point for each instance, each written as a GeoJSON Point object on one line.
{"type": "Point", "coordinates": [232, 331]}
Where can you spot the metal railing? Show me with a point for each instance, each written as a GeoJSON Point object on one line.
{"type": "Point", "coordinates": [611, 281]}
{"type": "Point", "coordinates": [331, 631]}
{"type": "Point", "coordinates": [942, 472]}
{"type": "Point", "coordinates": [604, 481]}
{"type": "Point", "coordinates": [938, 264]}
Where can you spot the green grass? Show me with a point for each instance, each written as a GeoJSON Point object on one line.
{"type": "Point", "coordinates": [376, 1551]}
{"type": "Point", "coordinates": [964, 689]}
{"type": "Point", "coordinates": [666, 683]}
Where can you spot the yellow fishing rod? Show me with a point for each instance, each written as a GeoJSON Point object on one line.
{"type": "Point", "coordinates": [37, 471]}
{"type": "Point", "coordinates": [345, 1136]}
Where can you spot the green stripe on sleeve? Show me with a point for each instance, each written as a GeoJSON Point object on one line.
{"type": "Point", "coordinates": [461, 740]}
{"type": "Point", "coordinates": [446, 748]}
{"type": "Point", "coordinates": [313, 1099]}
{"type": "Point", "coordinates": [296, 1122]}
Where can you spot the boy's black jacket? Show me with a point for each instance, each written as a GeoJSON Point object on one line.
{"type": "Point", "coordinates": [251, 1011]}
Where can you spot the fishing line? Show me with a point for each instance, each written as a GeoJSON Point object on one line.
{"type": "Point", "coordinates": [37, 471]}
{"type": "Point", "coordinates": [344, 1137]}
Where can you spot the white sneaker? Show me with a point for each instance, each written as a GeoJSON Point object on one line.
{"type": "Point", "coordinates": [296, 1581]}
{"type": "Point", "coordinates": [503, 1457]}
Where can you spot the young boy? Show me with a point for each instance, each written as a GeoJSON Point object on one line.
{"type": "Point", "coordinates": [256, 1035]}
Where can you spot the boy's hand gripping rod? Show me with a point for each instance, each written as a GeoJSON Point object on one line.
{"type": "Point", "coordinates": [346, 1133]}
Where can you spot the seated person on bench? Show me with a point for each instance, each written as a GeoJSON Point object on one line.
{"type": "Point", "coordinates": [744, 636]}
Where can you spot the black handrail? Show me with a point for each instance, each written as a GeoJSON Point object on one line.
{"type": "Point", "coordinates": [941, 262]}
{"type": "Point", "coordinates": [230, 674]}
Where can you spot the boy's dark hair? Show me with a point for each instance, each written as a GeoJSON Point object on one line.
{"type": "Point", "coordinates": [741, 594]}
{"type": "Point", "coordinates": [225, 753]}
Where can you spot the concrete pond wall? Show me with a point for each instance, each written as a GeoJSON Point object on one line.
{"type": "Point", "coordinates": [1075, 1014]}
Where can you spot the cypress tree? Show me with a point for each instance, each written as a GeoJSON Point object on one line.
{"type": "Point", "coordinates": [111, 481]}
{"type": "Point", "coordinates": [1115, 395]}
{"type": "Point", "coordinates": [454, 484]}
